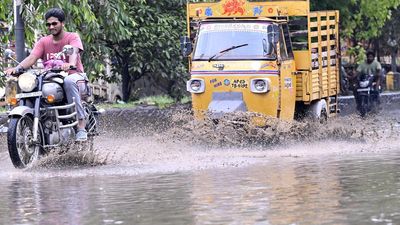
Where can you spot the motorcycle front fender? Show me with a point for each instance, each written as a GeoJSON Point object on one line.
{"type": "Point", "coordinates": [20, 111]}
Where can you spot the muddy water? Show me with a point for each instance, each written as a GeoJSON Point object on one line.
{"type": "Point", "coordinates": [178, 171]}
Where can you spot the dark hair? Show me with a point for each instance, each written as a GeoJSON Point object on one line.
{"type": "Point", "coordinates": [55, 12]}
{"type": "Point", "coordinates": [370, 52]}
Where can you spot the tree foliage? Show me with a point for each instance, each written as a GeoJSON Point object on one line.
{"type": "Point", "coordinates": [153, 48]}
{"type": "Point", "coordinates": [140, 37]}
{"type": "Point", "coordinates": [362, 21]}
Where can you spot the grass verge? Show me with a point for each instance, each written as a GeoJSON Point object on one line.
{"type": "Point", "coordinates": [160, 101]}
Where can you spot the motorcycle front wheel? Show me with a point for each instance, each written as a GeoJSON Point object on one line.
{"type": "Point", "coordinates": [363, 105]}
{"type": "Point", "coordinates": [23, 151]}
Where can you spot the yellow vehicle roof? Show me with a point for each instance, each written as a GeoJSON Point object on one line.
{"type": "Point", "coordinates": [248, 8]}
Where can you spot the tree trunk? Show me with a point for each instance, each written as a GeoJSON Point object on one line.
{"type": "Point", "coordinates": [393, 53]}
{"type": "Point", "coordinates": [171, 92]}
{"type": "Point", "coordinates": [126, 80]}
{"type": "Point", "coordinates": [376, 49]}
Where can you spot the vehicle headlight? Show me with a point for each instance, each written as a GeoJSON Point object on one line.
{"type": "Point", "coordinates": [259, 85]}
{"type": "Point", "coordinates": [364, 84]}
{"type": "Point", "coordinates": [27, 82]}
{"type": "Point", "coordinates": [196, 86]}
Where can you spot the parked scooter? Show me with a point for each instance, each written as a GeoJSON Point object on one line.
{"type": "Point", "coordinates": [368, 95]}
{"type": "Point", "coordinates": [42, 118]}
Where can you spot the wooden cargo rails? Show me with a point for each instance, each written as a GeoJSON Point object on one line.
{"type": "Point", "coordinates": [317, 59]}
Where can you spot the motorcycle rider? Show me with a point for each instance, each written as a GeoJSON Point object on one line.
{"type": "Point", "coordinates": [46, 49]}
{"type": "Point", "coordinates": [370, 66]}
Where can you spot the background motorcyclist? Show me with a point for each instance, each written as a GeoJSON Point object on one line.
{"type": "Point", "coordinates": [370, 67]}
{"type": "Point", "coordinates": [46, 49]}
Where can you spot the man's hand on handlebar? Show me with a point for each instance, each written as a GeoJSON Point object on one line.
{"type": "Point", "coordinates": [67, 67]}
{"type": "Point", "coordinates": [14, 71]}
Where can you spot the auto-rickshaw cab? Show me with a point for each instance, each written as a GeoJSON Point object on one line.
{"type": "Point", "coordinates": [275, 58]}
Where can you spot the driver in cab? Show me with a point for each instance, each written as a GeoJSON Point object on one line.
{"type": "Point", "coordinates": [46, 49]}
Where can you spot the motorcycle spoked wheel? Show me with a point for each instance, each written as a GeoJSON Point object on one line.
{"type": "Point", "coordinates": [91, 121]}
{"type": "Point", "coordinates": [23, 152]}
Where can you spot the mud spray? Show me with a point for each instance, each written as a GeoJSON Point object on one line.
{"type": "Point", "coordinates": [149, 137]}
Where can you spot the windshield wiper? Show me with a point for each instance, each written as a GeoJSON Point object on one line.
{"type": "Point", "coordinates": [226, 50]}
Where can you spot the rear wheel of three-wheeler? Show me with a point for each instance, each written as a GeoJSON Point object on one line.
{"type": "Point", "coordinates": [318, 111]}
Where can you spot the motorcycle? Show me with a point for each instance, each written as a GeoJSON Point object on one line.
{"type": "Point", "coordinates": [42, 119]}
{"type": "Point", "coordinates": [368, 95]}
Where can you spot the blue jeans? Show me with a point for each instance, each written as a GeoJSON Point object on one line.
{"type": "Point", "coordinates": [75, 86]}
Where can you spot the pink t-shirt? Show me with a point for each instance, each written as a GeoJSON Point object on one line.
{"type": "Point", "coordinates": [46, 49]}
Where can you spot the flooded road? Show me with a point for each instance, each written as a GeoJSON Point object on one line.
{"type": "Point", "coordinates": [346, 172]}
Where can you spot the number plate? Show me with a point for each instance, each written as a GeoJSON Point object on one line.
{"type": "Point", "coordinates": [29, 95]}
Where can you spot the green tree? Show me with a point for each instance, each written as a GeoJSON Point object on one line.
{"type": "Point", "coordinates": [140, 37]}
{"type": "Point", "coordinates": [390, 38]}
{"type": "Point", "coordinates": [360, 19]}
{"type": "Point", "coordinates": [95, 20]}
{"type": "Point", "coordinates": [153, 49]}
{"type": "Point", "coordinates": [5, 10]}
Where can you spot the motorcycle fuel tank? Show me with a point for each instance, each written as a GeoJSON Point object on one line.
{"type": "Point", "coordinates": [54, 89]}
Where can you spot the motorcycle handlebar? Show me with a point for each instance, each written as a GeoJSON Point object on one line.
{"type": "Point", "coordinates": [18, 71]}
{"type": "Point", "coordinates": [58, 70]}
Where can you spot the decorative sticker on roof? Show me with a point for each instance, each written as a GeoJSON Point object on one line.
{"type": "Point", "coordinates": [257, 10]}
{"type": "Point", "coordinates": [209, 11]}
{"type": "Point", "coordinates": [233, 7]}
{"type": "Point", "coordinates": [244, 8]}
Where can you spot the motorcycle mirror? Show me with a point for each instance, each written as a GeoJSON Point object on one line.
{"type": "Point", "coordinates": [68, 50]}
{"type": "Point", "coordinates": [8, 53]}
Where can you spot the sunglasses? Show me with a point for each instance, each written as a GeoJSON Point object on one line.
{"type": "Point", "coordinates": [51, 24]}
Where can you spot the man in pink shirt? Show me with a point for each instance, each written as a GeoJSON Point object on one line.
{"type": "Point", "coordinates": [47, 47]}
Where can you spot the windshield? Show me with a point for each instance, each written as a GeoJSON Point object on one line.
{"type": "Point", "coordinates": [214, 38]}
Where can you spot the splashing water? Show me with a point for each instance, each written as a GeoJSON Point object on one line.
{"type": "Point", "coordinates": [152, 136]}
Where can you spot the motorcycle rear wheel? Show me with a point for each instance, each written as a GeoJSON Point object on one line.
{"type": "Point", "coordinates": [91, 120]}
{"type": "Point", "coordinates": [23, 152]}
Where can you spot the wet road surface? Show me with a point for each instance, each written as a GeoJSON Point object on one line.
{"type": "Point", "coordinates": [346, 172]}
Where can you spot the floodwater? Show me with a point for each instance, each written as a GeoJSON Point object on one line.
{"type": "Point", "coordinates": [346, 172]}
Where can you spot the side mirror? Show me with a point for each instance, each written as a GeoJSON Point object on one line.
{"type": "Point", "coordinates": [273, 37]}
{"type": "Point", "coordinates": [68, 50]}
{"type": "Point", "coordinates": [273, 34]}
{"type": "Point", "coordinates": [267, 46]}
{"type": "Point", "coordinates": [186, 46]}
{"type": "Point", "coordinates": [8, 54]}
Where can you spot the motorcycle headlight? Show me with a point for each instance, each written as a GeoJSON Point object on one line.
{"type": "Point", "coordinates": [196, 86]}
{"type": "Point", "coordinates": [259, 85]}
{"type": "Point", "coordinates": [27, 82]}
